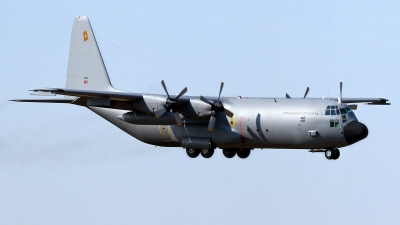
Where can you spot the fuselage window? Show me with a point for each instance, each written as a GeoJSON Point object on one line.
{"type": "Point", "coordinates": [334, 123]}
{"type": "Point", "coordinates": [343, 111]}
{"type": "Point", "coordinates": [344, 119]}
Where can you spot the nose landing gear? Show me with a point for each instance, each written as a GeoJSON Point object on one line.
{"type": "Point", "coordinates": [332, 153]}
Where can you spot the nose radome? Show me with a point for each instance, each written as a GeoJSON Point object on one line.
{"type": "Point", "coordinates": [355, 131]}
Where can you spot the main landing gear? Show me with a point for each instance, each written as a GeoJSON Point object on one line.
{"type": "Point", "coordinates": [207, 153]}
{"type": "Point", "coordinates": [228, 152]}
{"type": "Point", "coordinates": [332, 153]}
{"type": "Point", "coordinates": [193, 153]}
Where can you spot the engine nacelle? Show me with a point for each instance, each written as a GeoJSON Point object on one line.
{"type": "Point", "coordinates": [137, 117]}
{"type": "Point", "coordinates": [196, 108]}
{"type": "Point", "coordinates": [149, 103]}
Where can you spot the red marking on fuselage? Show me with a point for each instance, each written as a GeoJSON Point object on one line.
{"type": "Point", "coordinates": [240, 125]}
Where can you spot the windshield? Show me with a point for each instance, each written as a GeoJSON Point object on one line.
{"type": "Point", "coordinates": [332, 110]}
{"type": "Point", "coordinates": [343, 110]}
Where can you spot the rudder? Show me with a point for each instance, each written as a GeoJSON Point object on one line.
{"type": "Point", "coordinates": [86, 69]}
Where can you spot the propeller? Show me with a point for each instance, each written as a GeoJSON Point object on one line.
{"type": "Point", "coordinates": [305, 94]}
{"type": "Point", "coordinates": [170, 104]}
{"type": "Point", "coordinates": [215, 108]}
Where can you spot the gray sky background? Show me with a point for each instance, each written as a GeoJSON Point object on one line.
{"type": "Point", "coordinates": [62, 164]}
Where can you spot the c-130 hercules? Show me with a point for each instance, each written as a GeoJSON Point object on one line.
{"type": "Point", "coordinates": [200, 124]}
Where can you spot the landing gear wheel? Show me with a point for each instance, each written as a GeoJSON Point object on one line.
{"type": "Point", "coordinates": [329, 153]}
{"type": "Point", "coordinates": [207, 153]}
{"type": "Point", "coordinates": [336, 155]}
{"type": "Point", "coordinates": [228, 153]}
{"type": "Point", "coordinates": [192, 153]}
{"type": "Point", "coordinates": [244, 153]}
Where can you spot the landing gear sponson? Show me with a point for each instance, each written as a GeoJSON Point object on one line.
{"type": "Point", "coordinates": [228, 152]}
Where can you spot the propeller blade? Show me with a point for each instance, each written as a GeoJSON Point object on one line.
{"type": "Point", "coordinates": [182, 93]}
{"type": "Point", "coordinates": [228, 113]}
{"type": "Point", "coordinates": [160, 112]}
{"type": "Point", "coordinates": [341, 86]}
{"type": "Point", "coordinates": [211, 124]}
{"type": "Point", "coordinates": [178, 118]}
{"type": "Point", "coordinates": [220, 91]}
{"type": "Point", "coordinates": [307, 90]}
{"type": "Point", "coordinates": [205, 100]}
{"type": "Point", "coordinates": [165, 87]}
{"type": "Point", "coordinates": [287, 95]}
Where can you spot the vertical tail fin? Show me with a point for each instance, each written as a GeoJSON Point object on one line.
{"type": "Point", "coordinates": [86, 68]}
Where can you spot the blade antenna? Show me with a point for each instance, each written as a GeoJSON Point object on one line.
{"type": "Point", "coordinates": [307, 90]}
{"type": "Point", "coordinates": [341, 87]}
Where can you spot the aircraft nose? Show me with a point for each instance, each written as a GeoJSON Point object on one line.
{"type": "Point", "coordinates": [355, 131]}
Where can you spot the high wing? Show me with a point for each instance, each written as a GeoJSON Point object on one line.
{"type": "Point", "coordinates": [368, 101]}
{"type": "Point", "coordinates": [116, 99]}
{"type": "Point", "coordinates": [113, 95]}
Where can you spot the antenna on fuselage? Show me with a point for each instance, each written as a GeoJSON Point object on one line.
{"type": "Point", "coordinates": [329, 93]}
{"type": "Point", "coordinates": [307, 90]}
{"type": "Point", "coordinates": [340, 98]}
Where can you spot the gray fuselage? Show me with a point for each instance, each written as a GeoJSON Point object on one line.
{"type": "Point", "coordinates": [257, 123]}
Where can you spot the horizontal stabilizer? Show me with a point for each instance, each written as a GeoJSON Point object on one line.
{"type": "Point", "coordinates": [41, 93]}
{"type": "Point", "coordinates": [63, 100]}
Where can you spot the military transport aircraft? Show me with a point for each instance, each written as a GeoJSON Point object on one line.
{"type": "Point", "coordinates": [201, 124]}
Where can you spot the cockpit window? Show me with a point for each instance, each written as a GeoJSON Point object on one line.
{"type": "Point", "coordinates": [328, 110]}
{"type": "Point", "coordinates": [343, 110]}
{"type": "Point", "coordinates": [331, 110]}
{"type": "Point", "coordinates": [334, 110]}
